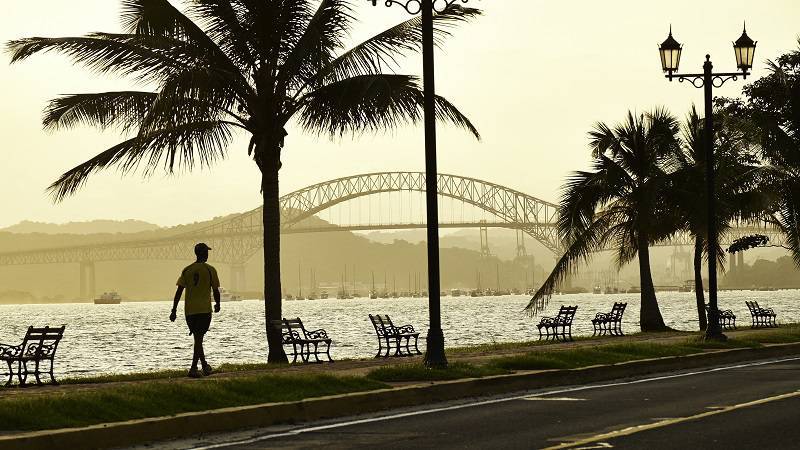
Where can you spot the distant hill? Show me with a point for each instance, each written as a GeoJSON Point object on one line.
{"type": "Point", "coordinates": [89, 227]}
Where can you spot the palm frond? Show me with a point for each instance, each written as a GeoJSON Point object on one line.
{"type": "Point", "coordinates": [372, 103]}
{"type": "Point", "coordinates": [223, 24]}
{"type": "Point", "coordinates": [179, 147]}
{"type": "Point", "coordinates": [161, 19]}
{"type": "Point", "coordinates": [578, 251]}
{"type": "Point", "coordinates": [102, 54]}
{"type": "Point", "coordinates": [324, 34]}
{"type": "Point", "coordinates": [123, 109]}
{"type": "Point", "coordinates": [381, 51]}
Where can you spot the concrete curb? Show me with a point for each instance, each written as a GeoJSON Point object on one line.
{"type": "Point", "coordinates": [121, 434]}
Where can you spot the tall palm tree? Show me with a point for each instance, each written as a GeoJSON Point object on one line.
{"type": "Point", "coordinates": [249, 66]}
{"type": "Point", "coordinates": [619, 203]}
{"type": "Point", "coordinates": [737, 196]}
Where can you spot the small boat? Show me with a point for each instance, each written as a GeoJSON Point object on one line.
{"type": "Point", "coordinates": [227, 296]}
{"type": "Point", "coordinates": [323, 294]}
{"type": "Point", "coordinates": [108, 298]}
{"type": "Point", "coordinates": [455, 292]}
{"type": "Point", "coordinates": [597, 290]}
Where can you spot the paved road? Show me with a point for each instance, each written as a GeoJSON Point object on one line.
{"type": "Point", "coordinates": [755, 405]}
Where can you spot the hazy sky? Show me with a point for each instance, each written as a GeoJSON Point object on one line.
{"type": "Point", "coordinates": [533, 75]}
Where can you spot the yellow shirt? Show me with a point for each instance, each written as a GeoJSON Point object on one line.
{"type": "Point", "coordinates": [198, 279]}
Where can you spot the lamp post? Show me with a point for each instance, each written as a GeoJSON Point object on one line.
{"type": "Point", "coordinates": [670, 52]}
{"type": "Point", "coordinates": [434, 354]}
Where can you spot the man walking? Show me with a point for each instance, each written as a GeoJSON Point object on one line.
{"type": "Point", "coordinates": [199, 280]}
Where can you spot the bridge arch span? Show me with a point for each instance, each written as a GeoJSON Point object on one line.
{"type": "Point", "coordinates": [534, 216]}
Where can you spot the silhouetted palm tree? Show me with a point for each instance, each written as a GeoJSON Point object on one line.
{"type": "Point", "coordinates": [618, 203]}
{"type": "Point", "coordinates": [737, 195]}
{"type": "Point", "coordinates": [239, 65]}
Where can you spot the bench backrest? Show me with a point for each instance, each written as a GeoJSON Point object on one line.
{"type": "Point", "coordinates": [382, 323]}
{"type": "Point", "coordinates": [290, 329]}
{"type": "Point", "coordinates": [566, 314]}
{"type": "Point", "coordinates": [752, 306]}
{"type": "Point", "coordinates": [42, 342]}
{"type": "Point", "coordinates": [618, 310]}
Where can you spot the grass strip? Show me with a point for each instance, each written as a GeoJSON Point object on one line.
{"type": "Point", "coordinates": [418, 372]}
{"type": "Point", "coordinates": [164, 374]}
{"type": "Point", "coordinates": [141, 400]}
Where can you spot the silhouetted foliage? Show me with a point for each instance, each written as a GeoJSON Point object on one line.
{"type": "Point", "coordinates": [747, 242]}
{"type": "Point", "coordinates": [770, 117]}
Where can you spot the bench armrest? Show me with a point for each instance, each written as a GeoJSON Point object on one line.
{"type": "Point", "coordinates": [547, 320]}
{"type": "Point", "coordinates": [405, 329]}
{"type": "Point", "coordinates": [317, 334]}
{"type": "Point", "coordinates": [601, 316]}
{"type": "Point", "coordinates": [10, 351]}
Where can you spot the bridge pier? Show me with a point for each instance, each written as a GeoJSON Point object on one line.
{"type": "Point", "coordinates": [238, 280]}
{"type": "Point", "coordinates": [87, 280]}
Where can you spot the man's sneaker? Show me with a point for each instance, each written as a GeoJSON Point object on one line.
{"type": "Point", "coordinates": [207, 370]}
{"type": "Point", "coordinates": [194, 373]}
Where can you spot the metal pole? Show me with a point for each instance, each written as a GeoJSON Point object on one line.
{"type": "Point", "coordinates": [434, 355]}
{"type": "Point", "coordinates": [713, 330]}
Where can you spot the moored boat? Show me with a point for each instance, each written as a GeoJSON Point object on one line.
{"type": "Point", "coordinates": [108, 298]}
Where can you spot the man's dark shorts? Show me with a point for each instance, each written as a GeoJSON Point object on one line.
{"type": "Point", "coordinates": [198, 323]}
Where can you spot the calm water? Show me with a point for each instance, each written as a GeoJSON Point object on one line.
{"type": "Point", "coordinates": [139, 336]}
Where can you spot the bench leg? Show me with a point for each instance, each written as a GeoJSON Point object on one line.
{"type": "Point", "coordinates": [388, 347]}
{"type": "Point", "coordinates": [22, 373]}
{"type": "Point", "coordinates": [316, 352]}
{"type": "Point", "coordinates": [328, 351]}
{"type": "Point", "coordinates": [36, 373]}
{"type": "Point", "coordinates": [380, 347]}
{"type": "Point", "coordinates": [10, 374]}
{"type": "Point", "coordinates": [52, 377]}
{"type": "Point", "coordinates": [398, 346]}
{"type": "Point", "coordinates": [416, 345]}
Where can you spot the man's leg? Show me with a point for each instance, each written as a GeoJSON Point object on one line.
{"type": "Point", "coordinates": [198, 350]}
{"type": "Point", "coordinates": [201, 354]}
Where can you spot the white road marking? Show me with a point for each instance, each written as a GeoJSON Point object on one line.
{"type": "Point", "coordinates": [481, 403]}
{"type": "Point", "coordinates": [554, 399]}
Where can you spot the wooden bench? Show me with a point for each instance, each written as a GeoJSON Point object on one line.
{"type": "Point", "coordinates": [761, 317]}
{"type": "Point", "coordinates": [611, 322]}
{"type": "Point", "coordinates": [727, 319]}
{"type": "Point", "coordinates": [38, 345]}
{"type": "Point", "coordinates": [558, 327]}
{"type": "Point", "coordinates": [390, 334]}
{"type": "Point", "coordinates": [295, 334]}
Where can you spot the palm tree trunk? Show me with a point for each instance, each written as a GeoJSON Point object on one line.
{"type": "Point", "coordinates": [272, 252]}
{"type": "Point", "coordinates": [649, 315]}
{"type": "Point", "coordinates": [698, 283]}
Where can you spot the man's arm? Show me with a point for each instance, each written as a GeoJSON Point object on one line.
{"type": "Point", "coordinates": [174, 314]}
{"type": "Point", "coordinates": [217, 298]}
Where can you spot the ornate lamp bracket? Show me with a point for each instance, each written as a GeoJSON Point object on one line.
{"type": "Point", "coordinates": [415, 6]}
{"type": "Point", "coordinates": [717, 79]}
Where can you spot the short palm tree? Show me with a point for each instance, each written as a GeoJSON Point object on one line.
{"type": "Point", "coordinates": [737, 195]}
{"type": "Point", "coordinates": [618, 203]}
{"type": "Point", "coordinates": [249, 66]}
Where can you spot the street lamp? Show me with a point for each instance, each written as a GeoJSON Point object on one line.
{"type": "Point", "coordinates": [434, 354]}
{"type": "Point", "coordinates": [670, 52]}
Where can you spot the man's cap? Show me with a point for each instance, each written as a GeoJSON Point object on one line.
{"type": "Point", "coordinates": [201, 246]}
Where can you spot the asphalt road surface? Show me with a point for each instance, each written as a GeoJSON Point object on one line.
{"type": "Point", "coordinates": [748, 406]}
